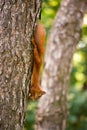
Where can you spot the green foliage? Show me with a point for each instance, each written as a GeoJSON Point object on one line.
{"type": "Point", "coordinates": [78, 91]}
{"type": "Point", "coordinates": [49, 10]}
{"type": "Point", "coordinates": [30, 116]}
{"type": "Point", "coordinates": [78, 111]}
{"type": "Point", "coordinates": [84, 31]}
{"type": "Point", "coordinates": [79, 70]}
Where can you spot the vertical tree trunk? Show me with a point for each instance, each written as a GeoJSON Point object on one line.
{"type": "Point", "coordinates": [65, 34]}
{"type": "Point", "coordinates": [17, 18]}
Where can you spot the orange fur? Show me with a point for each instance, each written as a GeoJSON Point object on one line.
{"type": "Point", "coordinates": [38, 42]}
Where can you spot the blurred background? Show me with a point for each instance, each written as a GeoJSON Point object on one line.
{"type": "Point", "coordinates": [77, 96]}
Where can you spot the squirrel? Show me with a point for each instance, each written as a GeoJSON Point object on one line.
{"type": "Point", "coordinates": [38, 40]}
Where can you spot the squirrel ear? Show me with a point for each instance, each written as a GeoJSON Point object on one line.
{"type": "Point", "coordinates": [43, 92]}
{"type": "Point", "coordinates": [40, 94]}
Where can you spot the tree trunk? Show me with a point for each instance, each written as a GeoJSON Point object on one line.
{"type": "Point", "coordinates": [64, 36]}
{"type": "Point", "coordinates": [17, 20]}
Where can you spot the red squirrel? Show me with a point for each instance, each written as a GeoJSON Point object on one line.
{"type": "Point", "coordinates": [38, 41]}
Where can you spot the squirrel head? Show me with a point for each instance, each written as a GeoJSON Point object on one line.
{"type": "Point", "coordinates": [36, 93]}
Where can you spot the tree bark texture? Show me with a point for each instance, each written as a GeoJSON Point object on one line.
{"type": "Point", "coordinates": [17, 20]}
{"type": "Point", "coordinates": [64, 36]}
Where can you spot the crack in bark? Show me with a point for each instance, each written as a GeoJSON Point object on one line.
{"type": "Point", "coordinates": [2, 6]}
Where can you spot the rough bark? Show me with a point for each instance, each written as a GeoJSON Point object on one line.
{"type": "Point", "coordinates": [17, 20]}
{"type": "Point", "coordinates": [64, 36]}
